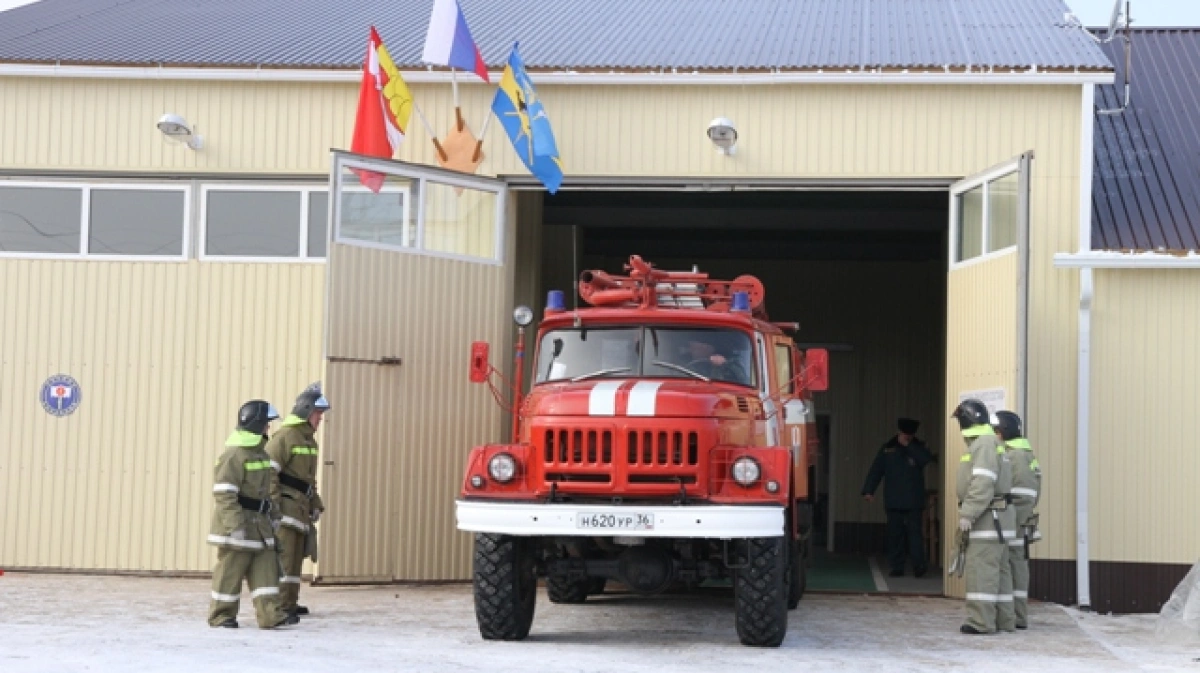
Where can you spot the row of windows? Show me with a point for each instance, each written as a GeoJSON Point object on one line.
{"type": "Point", "coordinates": [126, 220]}
{"type": "Point", "coordinates": [229, 221]}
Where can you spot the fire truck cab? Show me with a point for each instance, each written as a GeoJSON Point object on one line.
{"type": "Point", "coordinates": [666, 441]}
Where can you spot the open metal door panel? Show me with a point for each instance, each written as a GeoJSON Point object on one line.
{"type": "Point", "coordinates": [416, 272]}
{"type": "Point", "coordinates": [986, 308]}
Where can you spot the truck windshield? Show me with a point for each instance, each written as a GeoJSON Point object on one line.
{"type": "Point", "coordinates": [646, 351]}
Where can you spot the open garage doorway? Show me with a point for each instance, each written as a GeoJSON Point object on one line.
{"type": "Point", "coordinates": [864, 272]}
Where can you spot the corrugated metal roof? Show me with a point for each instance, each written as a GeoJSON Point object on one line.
{"type": "Point", "coordinates": [562, 34]}
{"type": "Point", "coordinates": [1146, 180]}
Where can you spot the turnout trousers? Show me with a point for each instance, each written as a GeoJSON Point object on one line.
{"type": "Point", "coordinates": [260, 569]}
{"type": "Point", "coordinates": [989, 587]}
{"type": "Point", "coordinates": [1020, 580]}
{"type": "Point", "coordinates": [291, 543]}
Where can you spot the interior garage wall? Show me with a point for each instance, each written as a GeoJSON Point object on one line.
{"type": "Point", "coordinates": [891, 316]}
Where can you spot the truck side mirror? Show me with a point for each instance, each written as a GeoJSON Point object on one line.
{"type": "Point", "coordinates": [479, 362]}
{"type": "Point", "coordinates": [816, 369]}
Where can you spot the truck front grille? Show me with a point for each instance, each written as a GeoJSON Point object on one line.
{"type": "Point", "coordinates": [663, 448]}
{"type": "Point", "coordinates": [578, 447]}
{"type": "Point", "coordinates": [608, 458]}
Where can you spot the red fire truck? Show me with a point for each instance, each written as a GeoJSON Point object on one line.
{"type": "Point", "coordinates": [667, 440]}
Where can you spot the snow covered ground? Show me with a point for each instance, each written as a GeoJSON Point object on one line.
{"type": "Point", "coordinates": [72, 623]}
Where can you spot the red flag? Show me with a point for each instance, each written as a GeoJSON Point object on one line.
{"type": "Point", "coordinates": [371, 122]}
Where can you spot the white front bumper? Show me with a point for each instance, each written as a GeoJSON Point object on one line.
{"type": "Point", "coordinates": [669, 521]}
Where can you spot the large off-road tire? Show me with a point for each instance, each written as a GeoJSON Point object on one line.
{"type": "Point", "coordinates": [562, 590]}
{"type": "Point", "coordinates": [760, 592]}
{"type": "Point", "coordinates": [797, 573]}
{"type": "Point", "coordinates": [505, 586]}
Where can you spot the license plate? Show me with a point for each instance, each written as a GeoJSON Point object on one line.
{"type": "Point", "coordinates": [622, 521]}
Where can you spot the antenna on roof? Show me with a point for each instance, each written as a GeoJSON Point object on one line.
{"type": "Point", "coordinates": [1116, 16]}
{"type": "Point", "coordinates": [1112, 28]}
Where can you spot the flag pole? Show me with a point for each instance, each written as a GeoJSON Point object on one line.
{"type": "Point", "coordinates": [479, 143]}
{"type": "Point", "coordinates": [457, 109]}
{"type": "Point", "coordinates": [429, 130]}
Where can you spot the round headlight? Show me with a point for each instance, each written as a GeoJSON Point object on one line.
{"type": "Point", "coordinates": [502, 467]}
{"type": "Point", "coordinates": [745, 471]}
{"type": "Point", "coordinates": [523, 315]}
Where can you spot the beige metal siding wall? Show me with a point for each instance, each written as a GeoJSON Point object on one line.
{"type": "Point", "coordinates": [980, 354]}
{"type": "Point", "coordinates": [164, 353]}
{"type": "Point", "coordinates": [1144, 458]}
{"type": "Point", "coordinates": [794, 131]}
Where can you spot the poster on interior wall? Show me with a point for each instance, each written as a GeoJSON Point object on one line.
{"type": "Point", "coordinates": [995, 399]}
{"type": "Point", "coordinates": [60, 395]}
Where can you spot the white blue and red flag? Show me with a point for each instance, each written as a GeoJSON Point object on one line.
{"type": "Point", "coordinates": [449, 40]}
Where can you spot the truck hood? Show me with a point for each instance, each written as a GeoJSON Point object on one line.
{"type": "Point", "coordinates": [642, 398]}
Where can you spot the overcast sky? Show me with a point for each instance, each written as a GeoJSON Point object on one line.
{"type": "Point", "coordinates": [1090, 12]}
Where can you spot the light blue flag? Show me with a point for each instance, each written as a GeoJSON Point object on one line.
{"type": "Point", "coordinates": [520, 111]}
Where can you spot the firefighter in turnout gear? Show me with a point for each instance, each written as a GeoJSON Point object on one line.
{"type": "Point", "coordinates": [293, 454]}
{"type": "Point", "coordinates": [983, 485]}
{"type": "Point", "coordinates": [241, 526]}
{"type": "Point", "coordinates": [1027, 483]}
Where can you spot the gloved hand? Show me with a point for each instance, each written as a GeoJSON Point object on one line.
{"type": "Point", "coordinates": [964, 524]}
{"type": "Point", "coordinates": [316, 515]}
{"type": "Point", "coordinates": [239, 534]}
{"type": "Point", "coordinates": [275, 525]}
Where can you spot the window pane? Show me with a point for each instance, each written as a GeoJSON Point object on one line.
{"type": "Point", "coordinates": [384, 217]}
{"type": "Point", "coordinates": [136, 222]}
{"type": "Point", "coordinates": [969, 207]}
{"type": "Point", "coordinates": [252, 224]}
{"type": "Point", "coordinates": [1002, 212]}
{"type": "Point", "coordinates": [460, 221]}
{"type": "Point", "coordinates": [783, 367]}
{"type": "Point", "coordinates": [596, 353]}
{"type": "Point", "coordinates": [318, 217]}
{"type": "Point", "coordinates": [40, 219]}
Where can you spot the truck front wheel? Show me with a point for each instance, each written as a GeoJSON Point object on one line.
{"type": "Point", "coordinates": [505, 586]}
{"type": "Point", "coordinates": [760, 592]}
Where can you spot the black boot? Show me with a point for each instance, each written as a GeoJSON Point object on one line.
{"type": "Point", "coordinates": [229, 624]}
{"type": "Point", "coordinates": [289, 620]}
{"type": "Point", "coordinates": [301, 610]}
{"type": "Point", "coordinates": [971, 630]}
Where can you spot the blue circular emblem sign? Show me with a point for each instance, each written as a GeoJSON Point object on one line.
{"type": "Point", "coordinates": [60, 395]}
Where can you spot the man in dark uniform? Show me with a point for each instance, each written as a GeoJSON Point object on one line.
{"type": "Point", "coordinates": [901, 463]}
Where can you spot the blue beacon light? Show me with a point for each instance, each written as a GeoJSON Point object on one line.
{"type": "Point", "coordinates": [741, 302]}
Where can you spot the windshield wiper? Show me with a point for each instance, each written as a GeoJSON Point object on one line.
{"type": "Point", "coordinates": [602, 372]}
{"type": "Point", "coordinates": [679, 368]}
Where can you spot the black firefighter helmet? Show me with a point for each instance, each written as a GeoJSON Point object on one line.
{"type": "Point", "coordinates": [254, 416]}
{"type": "Point", "coordinates": [1009, 425]}
{"type": "Point", "coordinates": [312, 399]}
{"type": "Point", "coordinates": [971, 412]}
